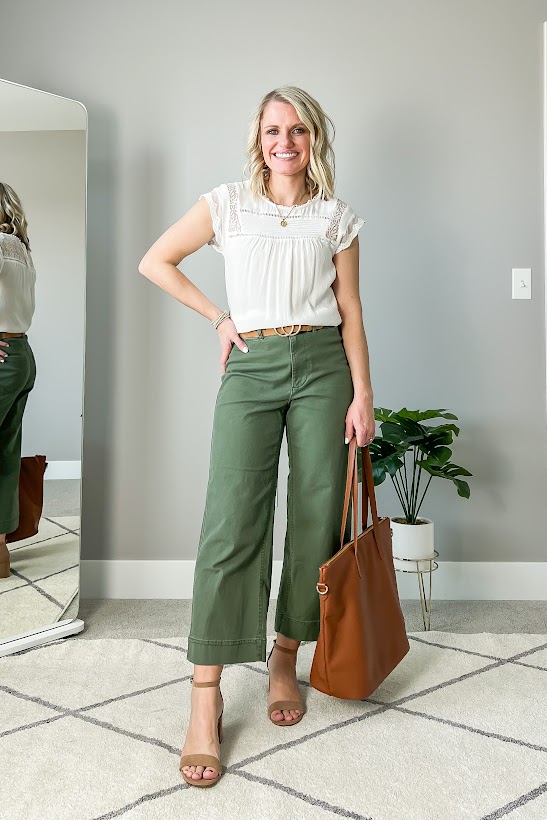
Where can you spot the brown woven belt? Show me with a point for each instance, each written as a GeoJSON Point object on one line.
{"type": "Point", "coordinates": [5, 334]}
{"type": "Point", "coordinates": [280, 331]}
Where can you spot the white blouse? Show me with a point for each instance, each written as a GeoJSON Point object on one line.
{"type": "Point", "coordinates": [279, 275]}
{"type": "Point", "coordinates": [17, 281]}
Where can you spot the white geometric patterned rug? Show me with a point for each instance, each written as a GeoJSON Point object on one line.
{"type": "Point", "coordinates": [94, 729]}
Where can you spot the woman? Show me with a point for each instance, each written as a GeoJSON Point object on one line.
{"type": "Point", "coordinates": [293, 356]}
{"type": "Point", "coordinates": [17, 364]}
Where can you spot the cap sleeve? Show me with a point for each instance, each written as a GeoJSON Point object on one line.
{"type": "Point", "coordinates": [348, 227]}
{"type": "Point", "coordinates": [216, 199]}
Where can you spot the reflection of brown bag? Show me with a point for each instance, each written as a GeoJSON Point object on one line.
{"type": "Point", "coordinates": [362, 634]}
{"type": "Point", "coordinates": [31, 497]}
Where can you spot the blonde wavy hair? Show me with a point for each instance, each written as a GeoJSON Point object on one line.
{"type": "Point", "coordinates": [320, 176]}
{"type": "Point", "coordinates": [12, 215]}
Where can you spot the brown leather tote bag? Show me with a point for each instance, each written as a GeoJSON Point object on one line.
{"type": "Point", "coordinates": [31, 497]}
{"type": "Point", "coordinates": [362, 634]}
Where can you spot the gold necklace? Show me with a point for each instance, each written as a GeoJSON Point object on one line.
{"type": "Point", "coordinates": [284, 218]}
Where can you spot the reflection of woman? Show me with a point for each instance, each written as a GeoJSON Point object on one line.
{"type": "Point", "coordinates": [291, 256]}
{"type": "Point", "coordinates": [17, 364]}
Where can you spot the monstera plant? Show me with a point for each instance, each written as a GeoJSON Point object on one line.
{"type": "Point", "coordinates": [405, 432]}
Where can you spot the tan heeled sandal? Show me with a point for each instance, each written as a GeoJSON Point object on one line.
{"type": "Point", "coordinates": [279, 705]}
{"type": "Point", "coordinates": [199, 759]}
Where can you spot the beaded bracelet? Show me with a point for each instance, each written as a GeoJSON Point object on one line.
{"type": "Point", "coordinates": [224, 315]}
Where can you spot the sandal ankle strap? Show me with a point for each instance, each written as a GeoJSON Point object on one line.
{"type": "Point", "coordinates": [285, 648]}
{"type": "Point", "coordinates": [205, 682]}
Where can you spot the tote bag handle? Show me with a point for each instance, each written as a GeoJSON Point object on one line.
{"type": "Point", "coordinates": [352, 476]}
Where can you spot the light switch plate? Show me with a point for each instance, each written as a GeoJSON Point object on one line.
{"type": "Point", "coordinates": [522, 283]}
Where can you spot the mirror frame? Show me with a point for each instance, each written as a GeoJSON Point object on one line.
{"type": "Point", "coordinates": [69, 626]}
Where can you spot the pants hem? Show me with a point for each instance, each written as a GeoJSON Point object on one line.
{"type": "Point", "coordinates": [9, 526]}
{"type": "Point", "coordinates": [296, 629]}
{"type": "Point", "coordinates": [217, 653]}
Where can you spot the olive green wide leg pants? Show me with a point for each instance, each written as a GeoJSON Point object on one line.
{"type": "Point", "coordinates": [17, 376]}
{"type": "Point", "coordinates": [302, 383]}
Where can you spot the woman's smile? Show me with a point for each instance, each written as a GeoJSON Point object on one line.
{"type": "Point", "coordinates": [286, 156]}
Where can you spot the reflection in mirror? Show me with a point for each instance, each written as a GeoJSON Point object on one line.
{"type": "Point", "coordinates": [43, 146]}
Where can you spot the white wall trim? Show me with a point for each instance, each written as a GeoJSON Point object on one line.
{"type": "Point", "coordinates": [452, 581]}
{"type": "Point", "coordinates": [63, 469]}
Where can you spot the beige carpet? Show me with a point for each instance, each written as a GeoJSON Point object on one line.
{"type": "Point", "coordinates": [94, 729]}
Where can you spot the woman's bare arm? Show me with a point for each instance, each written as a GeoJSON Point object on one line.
{"type": "Point", "coordinates": [346, 290]}
{"type": "Point", "coordinates": [159, 264]}
{"type": "Point", "coordinates": [360, 415]}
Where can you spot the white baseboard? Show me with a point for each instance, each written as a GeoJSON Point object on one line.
{"type": "Point", "coordinates": [452, 581]}
{"type": "Point", "coordinates": [63, 469]}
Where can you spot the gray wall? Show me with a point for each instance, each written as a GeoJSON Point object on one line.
{"type": "Point", "coordinates": [438, 110]}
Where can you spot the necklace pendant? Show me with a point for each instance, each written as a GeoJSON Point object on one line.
{"type": "Point", "coordinates": [284, 223]}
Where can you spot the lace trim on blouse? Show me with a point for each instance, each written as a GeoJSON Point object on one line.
{"type": "Point", "coordinates": [218, 204]}
{"type": "Point", "coordinates": [11, 247]}
{"type": "Point", "coordinates": [234, 223]}
{"type": "Point", "coordinates": [332, 229]}
{"type": "Point", "coordinates": [331, 232]}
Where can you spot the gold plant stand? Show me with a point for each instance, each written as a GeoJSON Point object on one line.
{"type": "Point", "coordinates": [425, 605]}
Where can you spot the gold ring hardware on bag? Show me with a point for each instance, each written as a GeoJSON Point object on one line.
{"type": "Point", "coordinates": [323, 592]}
{"type": "Point", "coordinates": [290, 333]}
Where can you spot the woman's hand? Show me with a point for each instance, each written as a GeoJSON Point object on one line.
{"type": "Point", "coordinates": [360, 420]}
{"type": "Point", "coordinates": [3, 353]}
{"type": "Point", "coordinates": [229, 336]}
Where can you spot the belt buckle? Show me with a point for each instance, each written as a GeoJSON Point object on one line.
{"type": "Point", "coordinates": [292, 332]}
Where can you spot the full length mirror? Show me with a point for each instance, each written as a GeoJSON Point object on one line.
{"type": "Point", "coordinates": [43, 173]}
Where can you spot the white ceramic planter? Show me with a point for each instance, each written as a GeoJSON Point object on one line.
{"type": "Point", "coordinates": [414, 542]}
